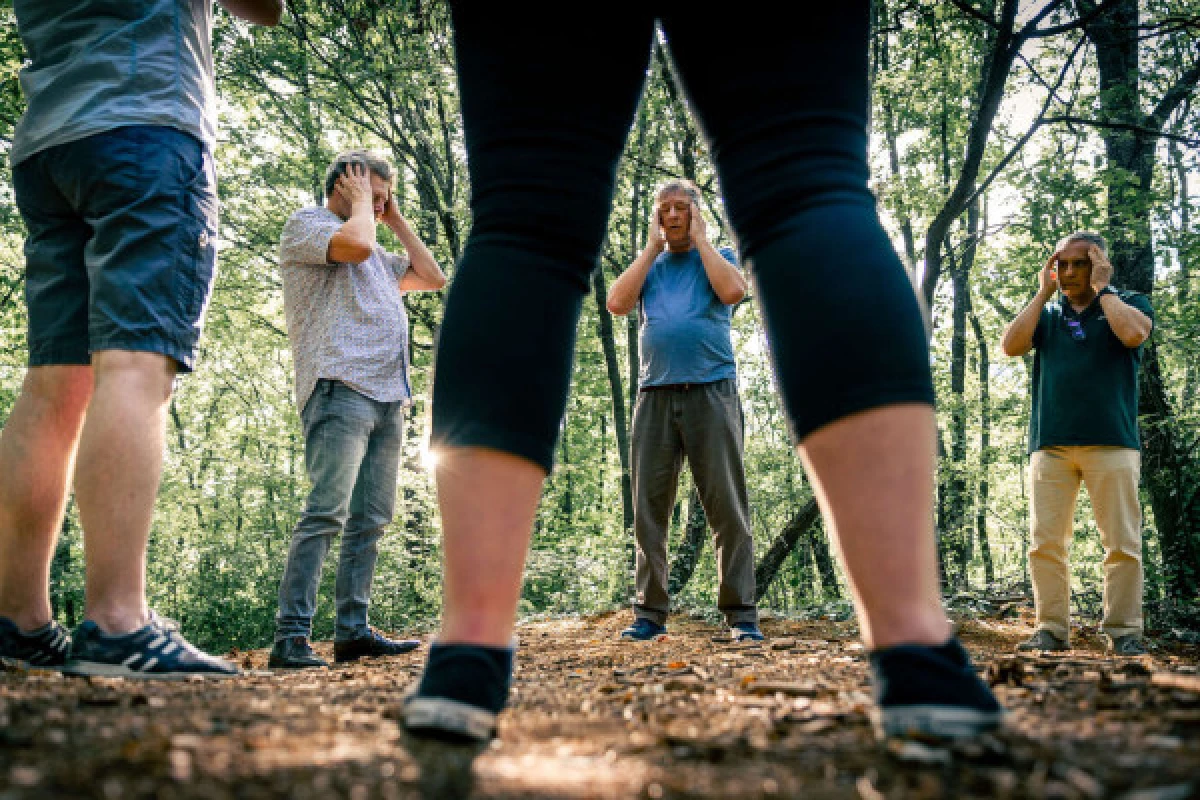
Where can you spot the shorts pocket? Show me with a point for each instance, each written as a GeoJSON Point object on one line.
{"type": "Point", "coordinates": [199, 248]}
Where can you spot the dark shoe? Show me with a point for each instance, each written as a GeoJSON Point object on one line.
{"type": "Point", "coordinates": [745, 632]}
{"type": "Point", "coordinates": [461, 693]}
{"type": "Point", "coordinates": [156, 651]}
{"type": "Point", "coordinates": [45, 648]}
{"type": "Point", "coordinates": [1128, 645]}
{"type": "Point", "coordinates": [1043, 640]}
{"type": "Point", "coordinates": [294, 652]}
{"type": "Point", "coordinates": [371, 643]}
{"type": "Point", "coordinates": [930, 692]}
{"type": "Point", "coordinates": [643, 630]}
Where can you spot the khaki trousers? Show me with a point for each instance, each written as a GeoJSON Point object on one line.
{"type": "Point", "coordinates": [704, 423]}
{"type": "Point", "coordinates": [1111, 476]}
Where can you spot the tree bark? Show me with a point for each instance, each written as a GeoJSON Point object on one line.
{"type": "Point", "coordinates": [1130, 137]}
{"type": "Point", "coordinates": [785, 541]}
{"type": "Point", "coordinates": [691, 546]}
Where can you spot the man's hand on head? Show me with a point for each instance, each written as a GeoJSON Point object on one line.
{"type": "Point", "coordinates": [355, 185]}
{"type": "Point", "coordinates": [1102, 268]}
{"type": "Point", "coordinates": [391, 211]}
{"type": "Point", "coordinates": [1048, 277]}
{"type": "Point", "coordinates": [697, 228]}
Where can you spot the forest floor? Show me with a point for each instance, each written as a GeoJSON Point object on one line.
{"type": "Point", "coordinates": [593, 717]}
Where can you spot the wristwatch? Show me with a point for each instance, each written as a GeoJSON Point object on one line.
{"type": "Point", "coordinates": [1107, 290]}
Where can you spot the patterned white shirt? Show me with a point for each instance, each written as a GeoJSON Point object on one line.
{"type": "Point", "coordinates": [346, 321]}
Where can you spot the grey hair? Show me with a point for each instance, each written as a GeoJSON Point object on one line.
{"type": "Point", "coordinates": [678, 186]}
{"type": "Point", "coordinates": [377, 164]}
{"type": "Point", "coordinates": [1084, 236]}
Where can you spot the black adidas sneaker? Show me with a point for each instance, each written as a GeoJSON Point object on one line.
{"type": "Point", "coordinates": [156, 651]}
{"type": "Point", "coordinates": [44, 648]}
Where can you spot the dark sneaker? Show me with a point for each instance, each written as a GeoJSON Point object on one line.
{"type": "Point", "coordinates": [462, 691]}
{"type": "Point", "coordinates": [157, 651]}
{"type": "Point", "coordinates": [1128, 645]}
{"type": "Point", "coordinates": [371, 643]}
{"type": "Point", "coordinates": [930, 693]}
{"type": "Point", "coordinates": [1043, 640]}
{"type": "Point", "coordinates": [745, 632]}
{"type": "Point", "coordinates": [294, 652]}
{"type": "Point", "coordinates": [44, 648]}
{"type": "Point", "coordinates": [643, 630]}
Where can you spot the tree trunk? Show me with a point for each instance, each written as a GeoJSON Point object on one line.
{"type": "Point", "coordinates": [617, 392]}
{"type": "Point", "coordinates": [691, 545]}
{"type": "Point", "coordinates": [785, 541]}
{"type": "Point", "coordinates": [1130, 137]}
{"type": "Point", "coordinates": [985, 452]}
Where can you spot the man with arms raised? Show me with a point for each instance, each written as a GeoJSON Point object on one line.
{"type": "Point", "coordinates": [688, 405]}
{"type": "Point", "coordinates": [1084, 427]}
{"type": "Point", "coordinates": [343, 297]}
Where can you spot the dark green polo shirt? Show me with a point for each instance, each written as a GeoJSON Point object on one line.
{"type": "Point", "coordinates": [1085, 391]}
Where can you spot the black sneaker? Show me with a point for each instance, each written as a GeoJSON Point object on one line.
{"type": "Point", "coordinates": [930, 692]}
{"type": "Point", "coordinates": [44, 648]}
{"type": "Point", "coordinates": [461, 693]}
{"type": "Point", "coordinates": [1128, 645]}
{"type": "Point", "coordinates": [294, 652]}
{"type": "Point", "coordinates": [1043, 640]}
{"type": "Point", "coordinates": [157, 651]}
{"type": "Point", "coordinates": [371, 643]}
{"type": "Point", "coordinates": [643, 630]}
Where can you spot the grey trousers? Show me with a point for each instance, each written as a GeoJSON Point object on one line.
{"type": "Point", "coordinates": [704, 423]}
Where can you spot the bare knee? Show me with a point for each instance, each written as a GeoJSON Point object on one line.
{"type": "Point", "coordinates": [150, 375]}
{"type": "Point", "coordinates": [59, 394]}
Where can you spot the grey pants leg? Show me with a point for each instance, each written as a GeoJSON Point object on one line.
{"type": "Point", "coordinates": [372, 507]}
{"type": "Point", "coordinates": [712, 427]}
{"type": "Point", "coordinates": [657, 458]}
{"type": "Point", "coordinates": [705, 423]}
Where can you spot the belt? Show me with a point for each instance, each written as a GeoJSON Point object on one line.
{"type": "Point", "coordinates": [676, 387]}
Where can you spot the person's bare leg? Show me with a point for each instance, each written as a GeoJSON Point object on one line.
{"type": "Point", "coordinates": [116, 481]}
{"type": "Point", "coordinates": [37, 454]}
{"type": "Point", "coordinates": [488, 500]}
{"type": "Point", "coordinates": [873, 475]}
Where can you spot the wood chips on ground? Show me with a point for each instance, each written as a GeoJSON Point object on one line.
{"type": "Point", "coordinates": [595, 717]}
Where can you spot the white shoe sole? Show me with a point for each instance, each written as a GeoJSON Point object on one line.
{"type": "Point", "coordinates": [939, 722]}
{"type": "Point", "coordinates": [96, 669]}
{"type": "Point", "coordinates": [448, 716]}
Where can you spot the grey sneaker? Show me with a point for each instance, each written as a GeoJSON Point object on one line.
{"type": "Point", "coordinates": [1128, 645]}
{"type": "Point", "coordinates": [1043, 640]}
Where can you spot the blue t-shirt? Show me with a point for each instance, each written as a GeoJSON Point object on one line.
{"type": "Point", "coordinates": [684, 325]}
{"type": "Point", "coordinates": [96, 65]}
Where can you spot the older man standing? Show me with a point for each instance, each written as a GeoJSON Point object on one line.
{"type": "Point", "coordinates": [1083, 427]}
{"type": "Point", "coordinates": [349, 332]}
{"type": "Point", "coordinates": [688, 405]}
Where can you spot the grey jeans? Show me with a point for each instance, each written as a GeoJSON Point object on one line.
{"type": "Point", "coordinates": [352, 450]}
{"type": "Point", "coordinates": [704, 423]}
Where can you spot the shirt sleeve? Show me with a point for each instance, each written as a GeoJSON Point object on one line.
{"type": "Point", "coordinates": [305, 238]}
{"type": "Point", "coordinates": [399, 262]}
{"type": "Point", "coordinates": [1140, 302]}
{"type": "Point", "coordinates": [729, 256]}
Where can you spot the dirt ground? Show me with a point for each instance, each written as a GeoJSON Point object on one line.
{"type": "Point", "coordinates": [593, 717]}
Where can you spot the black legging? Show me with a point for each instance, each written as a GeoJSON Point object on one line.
{"type": "Point", "coordinates": [548, 97]}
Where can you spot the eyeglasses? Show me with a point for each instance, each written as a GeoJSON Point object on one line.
{"type": "Point", "coordinates": [1076, 329]}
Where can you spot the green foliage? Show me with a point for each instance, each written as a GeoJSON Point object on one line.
{"type": "Point", "coordinates": [356, 73]}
